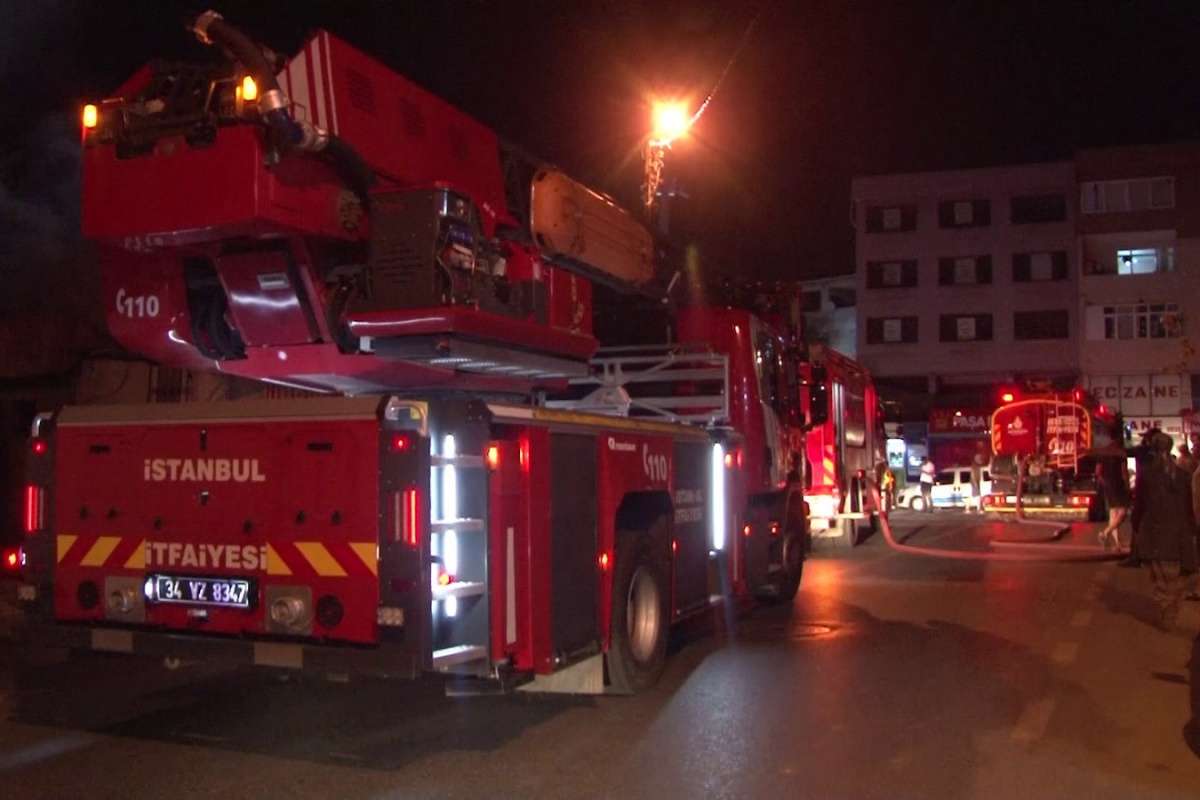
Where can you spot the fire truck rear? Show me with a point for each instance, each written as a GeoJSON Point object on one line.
{"type": "Point", "coordinates": [1041, 453]}
{"type": "Point", "coordinates": [321, 223]}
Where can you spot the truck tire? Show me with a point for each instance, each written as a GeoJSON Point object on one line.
{"type": "Point", "coordinates": [785, 583]}
{"type": "Point", "coordinates": [637, 652]}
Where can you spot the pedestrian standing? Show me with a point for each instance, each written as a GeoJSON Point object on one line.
{"type": "Point", "coordinates": [978, 462]}
{"type": "Point", "coordinates": [927, 474]}
{"type": "Point", "coordinates": [1167, 531]}
{"type": "Point", "coordinates": [1113, 483]}
{"type": "Point", "coordinates": [887, 484]}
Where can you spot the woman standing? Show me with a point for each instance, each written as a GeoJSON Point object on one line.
{"type": "Point", "coordinates": [1114, 487]}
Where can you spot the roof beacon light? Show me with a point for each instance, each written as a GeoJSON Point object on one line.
{"type": "Point", "coordinates": [91, 116]}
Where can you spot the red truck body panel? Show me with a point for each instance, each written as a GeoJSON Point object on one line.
{"type": "Point", "coordinates": [282, 503]}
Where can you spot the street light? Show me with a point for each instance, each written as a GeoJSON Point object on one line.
{"type": "Point", "coordinates": [671, 121]}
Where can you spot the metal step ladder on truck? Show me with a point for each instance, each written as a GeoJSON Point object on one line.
{"type": "Point", "coordinates": [365, 239]}
{"type": "Point", "coordinates": [1043, 445]}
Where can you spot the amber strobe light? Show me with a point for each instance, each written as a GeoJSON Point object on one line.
{"type": "Point", "coordinates": [249, 90]}
{"type": "Point", "coordinates": [91, 116]}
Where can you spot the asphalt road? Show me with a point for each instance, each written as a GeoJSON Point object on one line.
{"type": "Point", "coordinates": [892, 676]}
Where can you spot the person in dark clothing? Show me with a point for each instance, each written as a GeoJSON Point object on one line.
{"type": "Point", "coordinates": [1114, 486]}
{"type": "Point", "coordinates": [1166, 536]}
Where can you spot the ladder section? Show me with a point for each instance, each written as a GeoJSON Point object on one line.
{"type": "Point", "coordinates": [458, 563]}
{"type": "Point", "coordinates": [668, 383]}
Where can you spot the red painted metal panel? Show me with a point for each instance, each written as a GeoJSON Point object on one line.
{"type": "Point", "coordinates": [627, 462]}
{"type": "Point", "coordinates": [471, 322]}
{"type": "Point", "coordinates": [264, 298]}
{"type": "Point", "coordinates": [570, 302]}
{"type": "Point", "coordinates": [179, 194]}
{"type": "Point", "coordinates": [409, 135]}
{"type": "Point", "coordinates": [292, 505]}
{"type": "Point", "coordinates": [534, 595]}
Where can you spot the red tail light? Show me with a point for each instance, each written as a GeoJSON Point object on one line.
{"type": "Point", "coordinates": [406, 520]}
{"type": "Point", "coordinates": [1084, 500]}
{"type": "Point", "coordinates": [400, 443]}
{"type": "Point", "coordinates": [412, 519]}
{"type": "Point", "coordinates": [35, 508]}
{"type": "Point", "coordinates": [39, 447]}
{"type": "Point", "coordinates": [12, 559]}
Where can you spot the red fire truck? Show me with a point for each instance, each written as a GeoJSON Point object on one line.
{"type": "Point", "coordinates": [844, 445]}
{"type": "Point", "coordinates": [1040, 453]}
{"type": "Point", "coordinates": [322, 223]}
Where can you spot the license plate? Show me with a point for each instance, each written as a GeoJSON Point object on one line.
{"type": "Point", "coordinates": [228, 592]}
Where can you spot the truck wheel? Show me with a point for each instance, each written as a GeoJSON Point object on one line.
{"type": "Point", "coordinates": [638, 650]}
{"type": "Point", "coordinates": [786, 582]}
{"type": "Point", "coordinates": [917, 503]}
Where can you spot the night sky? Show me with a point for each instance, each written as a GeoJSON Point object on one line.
{"type": "Point", "coordinates": [822, 92]}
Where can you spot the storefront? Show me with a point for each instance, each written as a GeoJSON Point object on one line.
{"type": "Point", "coordinates": [956, 434]}
{"type": "Point", "coordinates": [1147, 401]}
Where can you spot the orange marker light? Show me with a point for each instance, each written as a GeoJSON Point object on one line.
{"type": "Point", "coordinates": [91, 116]}
{"type": "Point", "coordinates": [1007, 397]}
{"type": "Point", "coordinates": [603, 561]}
{"type": "Point", "coordinates": [249, 90]}
{"type": "Point", "coordinates": [493, 456]}
{"type": "Point", "coordinates": [746, 531]}
{"type": "Point", "coordinates": [445, 579]}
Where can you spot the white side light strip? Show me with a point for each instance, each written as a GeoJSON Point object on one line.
{"type": "Point", "coordinates": [717, 521]}
{"type": "Point", "coordinates": [450, 512]}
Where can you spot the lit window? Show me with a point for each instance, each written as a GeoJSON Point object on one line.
{"type": "Point", "coordinates": [1143, 261]}
{"type": "Point", "coordinates": [966, 329]}
{"type": "Point", "coordinates": [893, 330]}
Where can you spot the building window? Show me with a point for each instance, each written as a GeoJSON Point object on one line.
{"type": "Point", "coordinates": [1029, 325]}
{"type": "Point", "coordinates": [891, 274]}
{"type": "Point", "coordinates": [842, 297]}
{"type": "Point", "coordinates": [1034, 208]}
{"type": "Point", "coordinates": [891, 219]}
{"type": "Point", "coordinates": [1142, 321]}
{"type": "Point", "coordinates": [965, 271]}
{"type": "Point", "coordinates": [1139, 194]}
{"type": "Point", "coordinates": [1145, 260]}
{"type": "Point", "coordinates": [965, 328]}
{"type": "Point", "coordinates": [964, 213]}
{"type": "Point", "coordinates": [891, 330]}
{"type": "Point", "coordinates": [1029, 267]}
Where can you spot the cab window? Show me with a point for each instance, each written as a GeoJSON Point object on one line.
{"type": "Point", "coordinates": [944, 478]}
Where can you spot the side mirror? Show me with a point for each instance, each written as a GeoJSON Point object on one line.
{"type": "Point", "coordinates": [818, 397]}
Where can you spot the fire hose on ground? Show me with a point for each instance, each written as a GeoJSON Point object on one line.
{"type": "Point", "coordinates": [1088, 554]}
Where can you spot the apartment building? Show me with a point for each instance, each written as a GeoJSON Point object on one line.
{"type": "Point", "coordinates": [1139, 249]}
{"type": "Point", "coordinates": [967, 279]}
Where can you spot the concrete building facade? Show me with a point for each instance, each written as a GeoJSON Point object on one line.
{"type": "Point", "coordinates": [967, 278]}
{"type": "Point", "coordinates": [1139, 251]}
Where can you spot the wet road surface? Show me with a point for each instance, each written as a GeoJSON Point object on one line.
{"type": "Point", "coordinates": [891, 676]}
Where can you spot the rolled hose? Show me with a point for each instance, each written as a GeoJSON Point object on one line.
{"type": "Point", "coordinates": [350, 167]}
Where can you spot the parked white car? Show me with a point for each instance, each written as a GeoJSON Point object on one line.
{"type": "Point", "coordinates": [951, 489]}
